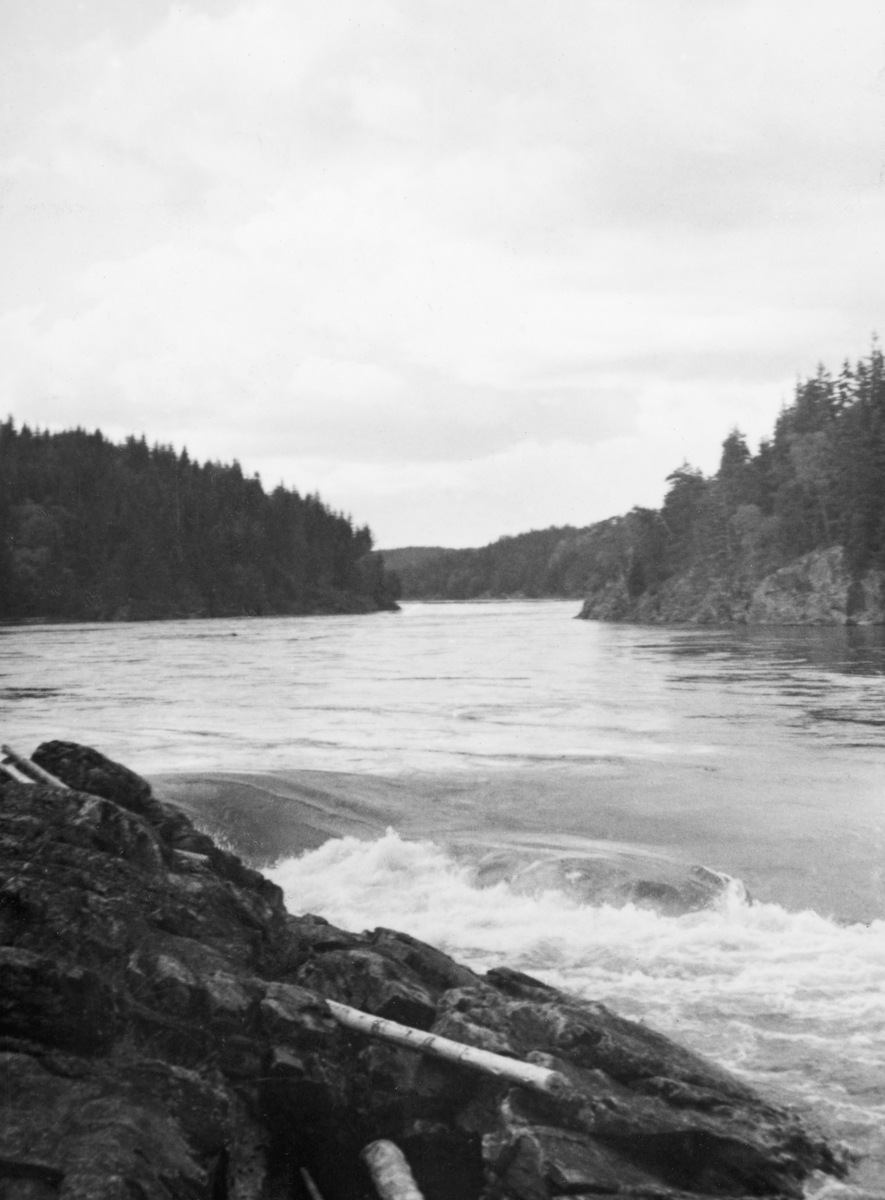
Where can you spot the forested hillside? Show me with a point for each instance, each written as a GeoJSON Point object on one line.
{"type": "Point", "coordinates": [407, 557]}
{"type": "Point", "coordinates": [90, 530]}
{"type": "Point", "coordinates": [818, 482]}
{"type": "Point", "coordinates": [547, 562]}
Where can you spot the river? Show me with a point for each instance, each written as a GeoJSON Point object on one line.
{"type": "Point", "coordinates": [517, 786]}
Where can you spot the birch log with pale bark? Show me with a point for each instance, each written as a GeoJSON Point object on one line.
{"type": "Point", "coordinates": [37, 774]}
{"type": "Point", "coordinates": [390, 1172]}
{"type": "Point", "coordinates": [539, 1079]}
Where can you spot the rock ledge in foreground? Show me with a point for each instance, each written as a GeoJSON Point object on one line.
{"type": "Point", "coordinates": [164, 1033]}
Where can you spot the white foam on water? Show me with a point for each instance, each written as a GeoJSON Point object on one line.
{"type": "Point", "coordinates": [793, 1001]}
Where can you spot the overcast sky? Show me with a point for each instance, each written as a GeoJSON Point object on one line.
{"type": "Point", "coordinates": [468, 268]}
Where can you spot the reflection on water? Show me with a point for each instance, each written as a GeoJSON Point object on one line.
{"type": "Point", "coordinates": [801, 664]}
{"type": "Point", "coordinates": [852, 649]}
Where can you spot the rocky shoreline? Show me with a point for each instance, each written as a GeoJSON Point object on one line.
{"type": "Point", "coordinates": [165, 1032]}
{"type": "Point", "coordinates": [816, 589]}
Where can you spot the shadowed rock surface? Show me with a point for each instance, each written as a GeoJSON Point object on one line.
{"type": "Point", "coordinates": [816, 589]}
{"type": "Point", "coordinates": [164, 1033]}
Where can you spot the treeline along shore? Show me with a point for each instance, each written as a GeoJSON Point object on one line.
{"type": "Point", "coordinates": [794, 533]}
{"type": "Point", "coordinates": [95, 531]}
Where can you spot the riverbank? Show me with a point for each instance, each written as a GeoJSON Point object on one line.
{"type": "Point", "coordinates": [817, 589]}
{"type": "Point", "coordinates": [353, 606]}
{"type": "Point", "coordinates": [165, 1028]}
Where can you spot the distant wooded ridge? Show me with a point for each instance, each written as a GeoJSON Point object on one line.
{"type": "Point", "coordinates": [92, 530]}
{"type": "Point", "coordinates": [819, 481]}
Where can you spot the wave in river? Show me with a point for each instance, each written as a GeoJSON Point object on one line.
{"type": "Point", "coordinates": [794, 1002]}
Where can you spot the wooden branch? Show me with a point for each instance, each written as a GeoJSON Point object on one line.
{"type": "Point", "coordinates": [540, 1079]}
{"type": "Point", "coordinates": [32, 770]}
{"type": "Point", "coordinates": [390, 1172]}
{"type": "Point", "coordinates": [10, 774]}
{"type": "Point", "coordinates": [312, 1190]}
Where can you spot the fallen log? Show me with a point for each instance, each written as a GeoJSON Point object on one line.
{"type": "Point", "coordinates": [307, 1179]}
{"type": "Point", "coordinates": [9, 773]}
{"type": "Point", "coordinates": [37, 774]}
{"type": "Point", "coordinates": [539, 1079]}
{"type": "Point", "coordinates": [390, 1172]}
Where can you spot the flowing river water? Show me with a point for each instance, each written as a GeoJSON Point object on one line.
{"type": "Point", "coordinates": [686, 824]}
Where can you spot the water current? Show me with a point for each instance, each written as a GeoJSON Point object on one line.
{"type": "Point", "coordinates": [687, 824]}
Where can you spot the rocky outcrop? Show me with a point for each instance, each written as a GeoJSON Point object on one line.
{"type": "Point", "coordinates": [816, 589]}
{"type": "Point", "coordinates": [164, 1033]}
{"type": "Point", "coordinates": [693, 598]}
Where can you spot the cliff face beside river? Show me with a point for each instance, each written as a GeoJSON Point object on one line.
{"type": "Point", "coordinates": [164, 1032]}
{"type": "Point", "coordinates": [816, 589]}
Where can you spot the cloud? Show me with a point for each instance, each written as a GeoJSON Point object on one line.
{"type": "Point", "coordinates": [525, 253]}
{"type": "Point", "coordinates": [529, 485]}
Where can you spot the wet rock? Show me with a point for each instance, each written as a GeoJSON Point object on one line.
{"type": "Point", "coordinates": [86, 770]}
{"type": "Point", "coordinates": [94, 1134]}
{"type": "Point", "coordinates": [436, 970]}
{"type": "Point", "coordinates": [444, 1162]}
{"type": "Point", "coordinates": [676, 1120]}
{"type": "Point", "coordinates": [295, 1016]}
{"type": "Point", "coordinates": [63, 1005]}
{"type": "Point", "coordinates": [310, 935]}
{"type": "Point", "coordinates": [107, 827]}
{"type": "Point", "coordinates": [530, 1158]}
{"type": "Point", "coordinates": [371, 982]}
{"type": "Point", "coordinates": [590, 1035]}
{"type": "Point", "coordinates": [164, 1032]}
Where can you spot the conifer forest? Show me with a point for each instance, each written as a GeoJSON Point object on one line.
{"type": "Point", "coordinates": [95, 531]}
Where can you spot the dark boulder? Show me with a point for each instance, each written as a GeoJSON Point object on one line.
{"type": "Point", "coordinates": [164, 1032]}
{"type": "Point", "coordinates": [87, 770]}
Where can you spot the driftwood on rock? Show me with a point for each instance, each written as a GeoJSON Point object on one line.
{"type": "Point", "coordinates": [8, 773]}
{"type": "Point", "coordinates": [31, 770]}
{"type": "Point", "coordinates": [390, 1172]}
{"type": "Point", "coordinates": [539, 1079]}
{"type": "Point", "coordinates": [312, 1189]}
{"type": "Point", "coordinates": [166, 1030]}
